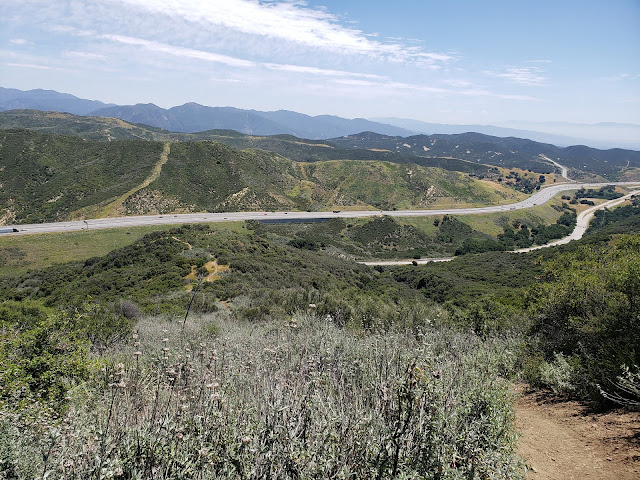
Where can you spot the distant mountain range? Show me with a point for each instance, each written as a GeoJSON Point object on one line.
{"type": "Point", "coordinates": [562, 134]}
{"type": "Point", "coordinates": [193, 117]}
{"type": "Point", "coordinates": [496, 131]}
{"type": "Point", "coordinates": [12, 99]}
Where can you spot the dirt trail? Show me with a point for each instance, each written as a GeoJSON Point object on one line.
{"type": "Point", "coordinates": [114, 207]}
{"type": "Point", "coordinates": [562, 441]}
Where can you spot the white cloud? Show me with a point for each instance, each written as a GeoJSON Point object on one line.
{"type": "Point", "coordinates": [391, 87]}
{"type": "Point", "coordinates": [84, 55]}
{"type": "Point", "coordinates": [529, 76]}
{"type": "Point", "coordinates": [30, 65]}
{"type": "Point", "coordinates": [622, 76]}
{"type": "Point", "coordinates": [19, 41]}
{"type": "Point", "coordinates": [291, 21]}
{"type": "Point", "coordinates": [227, 60]}
{"type": "Point", "coordinates": [318, 71]}
{"type": "Point", "coordinates": [179, 51]}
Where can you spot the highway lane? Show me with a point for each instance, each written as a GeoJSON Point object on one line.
{"type": "Point", "coordinates": [564, 170]}
{"type": "Point", "coordinates": [544, 195]}
{"type": "Point", "coordinates": [582, 224]}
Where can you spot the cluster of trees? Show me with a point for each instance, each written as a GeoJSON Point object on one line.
{"type": "Point", "coordinates": [524, 184]}
{"type": "Point", "coordinates": [518, 235]}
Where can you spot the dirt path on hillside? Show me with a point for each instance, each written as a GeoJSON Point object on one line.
{"type": "Point", "coordinates": [114, 208]}
{"type": "Point", "coordinates": [563, 441]}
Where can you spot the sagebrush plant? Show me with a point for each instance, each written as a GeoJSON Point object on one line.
{"type": "Point", "coordinates": [296, 398]}
{"type": "Point", "coordinates": [558, 375]}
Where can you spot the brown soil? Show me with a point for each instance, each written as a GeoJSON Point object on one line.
{"type": "Point", "coordinates": [562, 440]}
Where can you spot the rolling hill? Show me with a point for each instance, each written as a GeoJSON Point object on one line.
{"type": "Point", "coordinates": [503, 152]}
{"type": "Point", "coordinates": [468, 152]}
{"type": "Point", "coordinates": [53, 177]}
{"type": "Point", "coordinates": [294, 148]}
{"type": "Point", "coordinates": [48, 177]}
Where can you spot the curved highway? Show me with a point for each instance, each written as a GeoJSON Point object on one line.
{"type": "Point", "coordinates": [544, 195]}
{"type": "Point", "coordinates": [582, 224]}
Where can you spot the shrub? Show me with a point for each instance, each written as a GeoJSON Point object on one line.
{"type": "Point", "coordinates": [558, 375]}
{"type": "Point", "coordinates": [295, 399]}
{"type": "Point", "coordinates": [588, 308]}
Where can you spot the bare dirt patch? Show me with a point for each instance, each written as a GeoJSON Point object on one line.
{"type": "Point", "coordinates": [563, 440]}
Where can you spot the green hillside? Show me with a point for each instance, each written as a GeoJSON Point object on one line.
{"type": "Point", "coordinates": [297, 149]}
{"type": "Point", "coordinates": [214, 177]}
{"type": "Point", "coordinates": [52, 177]}
{"type": "Point", "coordinates": [89, 128]}
{"type": "Point", "coordinates": [509, 152]}
{"type": "Point", "coordinates": [48, 177]}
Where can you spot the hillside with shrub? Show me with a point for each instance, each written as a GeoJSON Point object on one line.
{"type": "Point", "coordinates": [503, 152]}
{"type": "Point", "coordinates": [54, 178]}
{"type": "Point", "coordinates": [49, 177]}
{"type": "Point", "coordinates": [144, 360]}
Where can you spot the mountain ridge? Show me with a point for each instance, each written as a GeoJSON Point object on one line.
{"type": "Point", "coordinates": [39, 99]}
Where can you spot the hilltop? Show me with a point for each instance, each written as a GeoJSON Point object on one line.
{"type": "Point", "coordinates": [471, 153]}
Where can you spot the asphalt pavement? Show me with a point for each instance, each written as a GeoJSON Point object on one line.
{"type": "Point", "coordinates": [540, 197]}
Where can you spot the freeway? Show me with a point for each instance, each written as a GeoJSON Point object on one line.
{"type": "Point", "coordinates": [544, 195]}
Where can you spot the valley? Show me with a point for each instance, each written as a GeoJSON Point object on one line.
{"type": "Point", "coordinates": [221, 274]}
{"type": "Point", "coordinates": [313, 240]}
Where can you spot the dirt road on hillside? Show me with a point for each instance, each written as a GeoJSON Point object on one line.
{"type": "Point", "coordinates": [562, 441]}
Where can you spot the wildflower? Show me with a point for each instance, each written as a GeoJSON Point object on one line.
{"type": "Point", "coordinates": [137, 353]}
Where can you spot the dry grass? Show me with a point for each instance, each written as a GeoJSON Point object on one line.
{"type": "Point", "coordinates": [220, 398]}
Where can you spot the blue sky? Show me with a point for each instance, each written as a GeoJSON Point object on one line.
{"type": "Point", "coordinates": [453, 61]}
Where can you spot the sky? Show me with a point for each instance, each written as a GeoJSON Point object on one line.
{"type": "Point", "coordinates": [441, 61]}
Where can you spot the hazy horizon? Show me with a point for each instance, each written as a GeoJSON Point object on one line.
{"type": "Point", "coordinates": [457, 62]}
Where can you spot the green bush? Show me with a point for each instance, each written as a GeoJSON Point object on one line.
{"type": "Point", "coordinates": [42, 354]}
{"type": "Point", "coordinates": [558, 375]}
{"type": "Point", "coordinates": [285, 399]}
{"type": "Point", "coordinates": [588, 309]}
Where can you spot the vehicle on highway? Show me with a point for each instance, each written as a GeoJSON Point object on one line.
{"type": "Point", "coordinates": [9, 230]}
